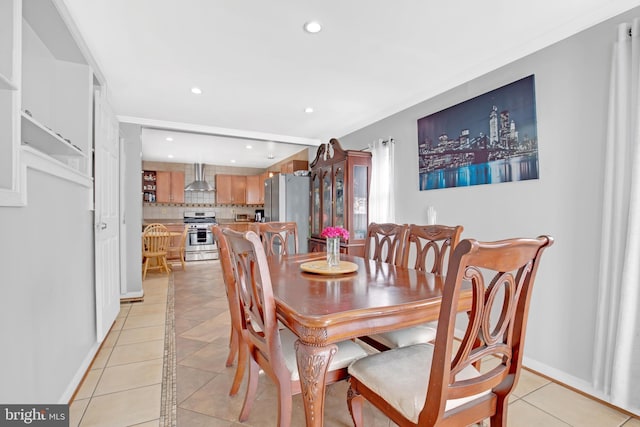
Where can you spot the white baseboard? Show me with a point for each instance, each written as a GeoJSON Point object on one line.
{"type": "Point", "coordinates": [574, 382]}
{"type": "Point", "coordinates": [77, 378]}
{"type": "Point", "coordinates": [132, 295]}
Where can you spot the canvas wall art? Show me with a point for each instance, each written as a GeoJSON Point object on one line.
{"type": "Point", "coordinates": [489, 139]}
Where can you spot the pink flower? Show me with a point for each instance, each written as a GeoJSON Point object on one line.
{"type": "Point", "coordinates": [335, 232]}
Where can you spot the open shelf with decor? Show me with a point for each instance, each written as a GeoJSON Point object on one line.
{"type": "Point", "coordinates": [57, 88]}
{"type": "Point", "coordinates": [43, 138]}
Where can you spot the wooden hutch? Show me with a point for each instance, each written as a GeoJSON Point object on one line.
{"type": "Point", "coordinates": [340, 181]}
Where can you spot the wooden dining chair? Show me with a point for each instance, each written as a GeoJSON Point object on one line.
{"type": "Point", "coordinates": [177, 247]}
{"type": "Point", "coordinates": [279, 237]}
{"type": "Point", "coordinates": [427, 248]}
{"type": "Point", "coordinates": [155, 242]}
{"type": "Point", "coordinates": [431, 384]}
{"type": "Point", "coordinates": [270, 348]}
{"type": "Point", "coordinates": [236, 341]}
{"type": "Point", "coordinates": [385, 242]}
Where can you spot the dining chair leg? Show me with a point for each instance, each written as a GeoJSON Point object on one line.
{"type": "Point", "coordinates": [499, 419]}
{"type": "Point", "coordinates": [164, 264]}
{"type": "Point", "coordinates": [285, 404]}
{"type": "Point", "coordinates": [252, 386]}
{"type": "Point", "coordinates": [233, 347]}
{"type": "Point", "coordinates": [144, 271]}
{"type": "Point", "coordinates": [355, 402]}
{"type": "Point", "coordinates": [242, 365]}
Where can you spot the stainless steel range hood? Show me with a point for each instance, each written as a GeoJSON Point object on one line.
{"type": "Point", "coordinates": [199, 184]}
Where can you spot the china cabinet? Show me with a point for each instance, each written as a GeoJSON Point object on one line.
{"type": "Point", "coordinates": [340, 181]}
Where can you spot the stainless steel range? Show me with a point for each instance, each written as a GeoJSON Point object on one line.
{"type": "Point", "coordinates": [200, 243]}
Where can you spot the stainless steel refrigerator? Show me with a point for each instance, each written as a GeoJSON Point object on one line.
{"type": "Point", "coordinates": [286, 198]}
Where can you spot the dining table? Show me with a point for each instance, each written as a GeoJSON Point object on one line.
{"type": "Point", "coordinates": [325, 308]}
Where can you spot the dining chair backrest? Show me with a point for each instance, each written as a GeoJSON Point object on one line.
{"type": "Point", "coordinates": [385, 242]}
{"type": "Point", "coordinates": [500, 275]}
{"type": "Point", "coordinates": [177, 246]}
{"type": "Point", "coordinates": [156, 239]}
{"type": "Point", "coordinates": [428, 247]}
{"type": "Point", "coordinates": [155, 244]}
{"type": "Point", "coordinates": [255, 294]}
{"type": "Point", "coordinates": [279, 237]}
{"type": "Point", "coordinates": [272, 349]}
{"type": "Point", "coordinates": [238, 325]}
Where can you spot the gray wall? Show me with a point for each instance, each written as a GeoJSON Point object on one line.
{"type": "Point", "coordinates": [47, 301]}
{"type": "Point", "coordinates": [572, 81]}
{"type": "Point", "coordinates": [132, 203]}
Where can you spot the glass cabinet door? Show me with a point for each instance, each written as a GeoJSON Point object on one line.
{"type": "Point", "coordinates": [338, 171]}
{"type": "Point", "coordinates": [360, 202]}
{"type": "Point", "coordinates": [327, 190]}
{"type": "Point", "coordinates": [315, 204]}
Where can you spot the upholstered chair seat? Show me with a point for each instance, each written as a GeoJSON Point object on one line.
{"type": "Point", "coordinates": [405, 390]}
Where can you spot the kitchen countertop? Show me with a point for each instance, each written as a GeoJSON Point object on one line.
{"type": "Point", "coordinates": [180, 221]}
{"type": "Point", "coordinates": [172, 221]}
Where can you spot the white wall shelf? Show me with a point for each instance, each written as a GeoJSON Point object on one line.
{"type": "Point", "coordinates": [6, 83]}
{"type": "Point", "coordinates": [39, 136]}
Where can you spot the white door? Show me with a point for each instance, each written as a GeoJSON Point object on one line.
{"type": "Point", "coordinates": [107, 242]}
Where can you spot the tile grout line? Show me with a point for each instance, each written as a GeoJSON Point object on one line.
{"type": "Point", "coordinates": [90, 398]}
{"type": "Point", "coordinates": [168, 405]}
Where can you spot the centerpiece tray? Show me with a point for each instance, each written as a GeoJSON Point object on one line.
{"type": "Point", "coordinates": [321, 267]}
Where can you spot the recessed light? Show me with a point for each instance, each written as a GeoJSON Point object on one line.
{"type": "Point", "coordinates": [312, 27]}
{"type": "Point", "coordinates": [169, 139]}
{"type": "Point", "coordinates": [170, 156]}
{"type": "Point", "coordinates": [233, 161]}
{"type": "Point", "coordinates": [196, 90]}
{"type": "Point", "coordinates": [308, 110]}
{"type": "Point", "coordinates": [248, 147]}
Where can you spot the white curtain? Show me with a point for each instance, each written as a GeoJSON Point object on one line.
{"type": "Point", "coordinates": [616, 366]}
{"type": "Point", "coordinates": [381, 197]}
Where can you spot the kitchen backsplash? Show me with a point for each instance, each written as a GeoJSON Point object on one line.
{"type": "Point", "coordinates": [177, 212]}
{"type": "Point", "coordinates": [196, 200]}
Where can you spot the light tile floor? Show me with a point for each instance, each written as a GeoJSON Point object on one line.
{"type": "Point", "coordinates": [124, 384]}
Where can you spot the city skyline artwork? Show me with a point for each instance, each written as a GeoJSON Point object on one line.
{"type": "Point", "coordinates": [489, 139]}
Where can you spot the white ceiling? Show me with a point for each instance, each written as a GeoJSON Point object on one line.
{"type": "Point", "coordinates": [259, 70]}
{"type": "Point", "coordinates": [190, 147]}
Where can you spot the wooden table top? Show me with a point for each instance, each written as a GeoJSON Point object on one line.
{"type": "Point", "coordinates": [378, 297]}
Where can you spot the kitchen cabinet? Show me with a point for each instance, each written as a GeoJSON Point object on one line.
{"type": "Point", "coordinates": [340, 196]}
{"type": "Point", "coordinates": [237, 226]}
{"type": "Point", "coordinates": [169, 187]}
{"type": "Point", "coordinates": [294, 165]}
{"type": "Point", "coordinates": [254, 185]}
{"type": "Point", "coordinates": [231, 189]}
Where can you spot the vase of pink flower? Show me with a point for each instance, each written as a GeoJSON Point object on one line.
{"type": "Point", "coordinates": [333, 236]}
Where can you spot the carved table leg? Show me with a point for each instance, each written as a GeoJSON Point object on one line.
{"type": "Point", "coordinates": [312, 366]}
